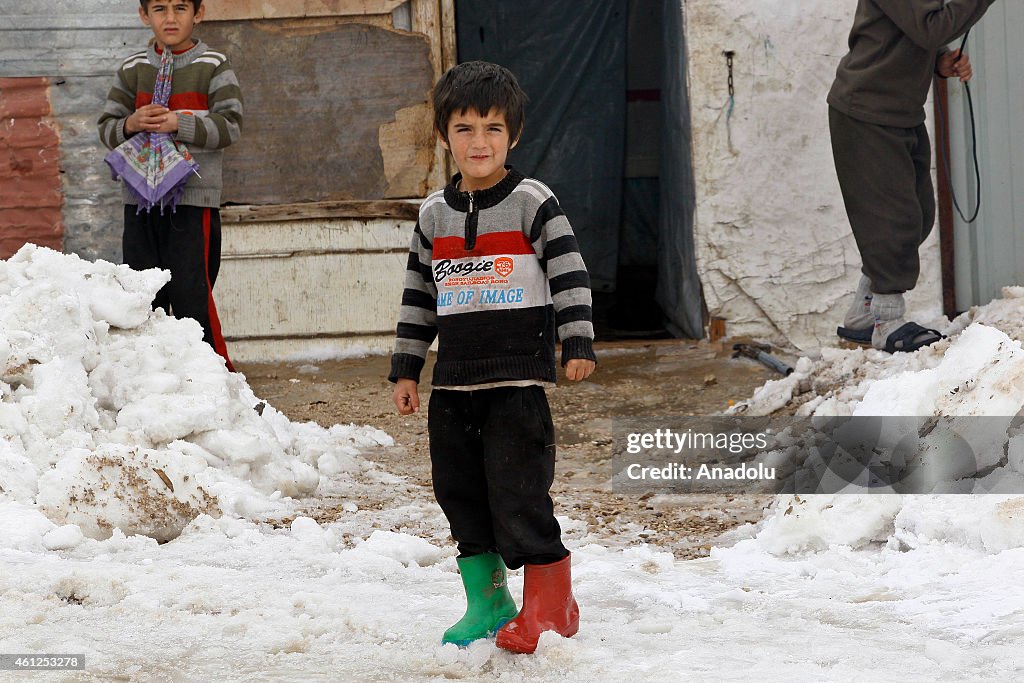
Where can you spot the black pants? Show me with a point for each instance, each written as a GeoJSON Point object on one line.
{"type": "Point", "coordinates": [886, 178]}
{"type": "Point", "coordinates": [186, 242]}
{"type": "Point", "coordinates": [492, 454]}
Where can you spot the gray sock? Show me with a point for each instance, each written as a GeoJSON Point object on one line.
{"type": "Point", "coordinates": [858, 316]}
{"type": "Point", "coordinates": [888, 311]}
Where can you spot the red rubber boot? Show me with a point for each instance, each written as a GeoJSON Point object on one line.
{"type": "Point", "coordinates": [548, 605]}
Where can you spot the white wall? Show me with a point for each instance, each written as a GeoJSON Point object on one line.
{"type": "Point", "coordinates": [775, 252]}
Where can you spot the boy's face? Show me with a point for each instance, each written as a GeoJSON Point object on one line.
{"type": "Point", "coordinates": [172, 22]}
{"type": "Point", "coordinates": [480, 145]}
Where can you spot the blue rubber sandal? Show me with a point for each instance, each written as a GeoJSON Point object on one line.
{"type": "Point", "coordinates": [856, 336]}
{"type": "Point", "coordinates": [903, 338]}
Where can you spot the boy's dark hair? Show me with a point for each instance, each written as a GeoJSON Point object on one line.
{"type": "Point", "coordinates": [482, 86]}
{"type": "Point", "coordinates": [195, 5]}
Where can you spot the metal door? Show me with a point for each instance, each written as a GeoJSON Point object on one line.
{"type": "Point", "coordinates": [990, 252]}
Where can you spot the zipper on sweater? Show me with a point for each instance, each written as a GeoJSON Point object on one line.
{"type": "Point", "coordinates": [472, 218]}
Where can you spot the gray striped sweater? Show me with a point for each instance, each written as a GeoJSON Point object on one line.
{"type": "Point", "coordinates": [206, 95]}
{"type": "Point", "coordinates": [493, 275]}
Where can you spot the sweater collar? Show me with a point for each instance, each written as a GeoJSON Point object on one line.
{"type": "Point", "coordinates": [181, 59]}
{"type": "Point", "coordinates": [482, 199]}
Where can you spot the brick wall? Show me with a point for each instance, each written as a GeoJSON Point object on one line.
{"type": "Point", "coordinates": [30, 178]}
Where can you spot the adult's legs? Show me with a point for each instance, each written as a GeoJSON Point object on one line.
{"type": "Point", "coordinates": [877, 167]}
{"type": "Point", "coordinates": [922, 156]}
{"type": "Point", "coordinates": [884, 175]}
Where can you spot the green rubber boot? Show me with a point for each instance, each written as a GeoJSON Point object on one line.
{"type": "Point", "coordinates": [490, 604]}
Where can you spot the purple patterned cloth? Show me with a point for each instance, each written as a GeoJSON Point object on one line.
{"type": "Point", "coordinates": [154, 166]}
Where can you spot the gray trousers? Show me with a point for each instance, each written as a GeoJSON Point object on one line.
{"type": "Point", "coordinates": [885, 175]}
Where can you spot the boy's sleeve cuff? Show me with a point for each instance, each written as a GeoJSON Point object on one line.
{"type": "Point", "coordinates": [578, 347]}
{"type": "Point", "coordinates": [119, 133]}
{"type": "Point", "coordinates": [405, 366]}
{"type": "Point", "coordinates": [186, 128]}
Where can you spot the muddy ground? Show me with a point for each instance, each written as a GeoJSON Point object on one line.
{"type": "Point", "coordinates": [634, 379]}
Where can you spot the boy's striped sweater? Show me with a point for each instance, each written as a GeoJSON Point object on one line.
{"type": "Point", "coordinates": [207, 98]}
{"type": "Point", "coordinates": [493, 275]}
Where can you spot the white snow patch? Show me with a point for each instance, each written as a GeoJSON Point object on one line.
{"type": "Point", "coordinates": [930, 586]}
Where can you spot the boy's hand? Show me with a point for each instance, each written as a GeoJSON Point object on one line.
{"type": "Point", "coordinates": [406, 396]}
{"type": "Point", "coordinates": [148, 119]}
{"type": "Point", "coordinates": [170, 123]}
{"type": "Point", "coordinates": [953, 64]}
{"type": "Point", "coordinates": [579, 369]}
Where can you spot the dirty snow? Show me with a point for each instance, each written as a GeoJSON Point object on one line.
{"type": "Point", "coordinates": [120, 429]}
{"type": "Point", "coordinates": [113, 417]}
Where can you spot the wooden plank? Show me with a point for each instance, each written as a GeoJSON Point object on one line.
{"type": "Point", "coordinates": [248, 350]}
{"type": "Point", "coordinates": [280, 282]}
{"type": "Point", "coordinates": [282, 239]}
{"type": "Point", "coordinates": [449, 44]}
{"type": "Point", "coordinates": [449, 58]}
{"type": "Point", "coordinates": [426, 19]}
{"type": "Point", "coordinates": [313, 210]}
{"type": "Point", "coordinates": [285, 9]}
{"type": "Point", "coordinates": [310, 294]}
{"type": "Point", "coordinates": [310, 26]}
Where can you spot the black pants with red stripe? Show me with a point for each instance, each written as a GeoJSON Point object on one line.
{"type": "Point", "coordinates": [185, 241]}
{"type": "Point", "coordinates": [492, 455]}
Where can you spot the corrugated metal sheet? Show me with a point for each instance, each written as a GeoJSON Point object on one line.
{"type": "Point", "coordinates": [78, 44]}
{"type": "Point", "coordinates": [92, 200]}
{"type": "Point", "coordinates": [30, 185]}
{"type": "Point", "coordinates": [990, 253]}
{"type": "Point", "coordinates": [67, 37]}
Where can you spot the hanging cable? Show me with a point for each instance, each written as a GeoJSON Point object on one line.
{"type": "Point", "coordinates": [974, 147]}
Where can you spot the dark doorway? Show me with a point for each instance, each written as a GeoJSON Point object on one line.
{"type": "Point", "coordinates": [607, 128]}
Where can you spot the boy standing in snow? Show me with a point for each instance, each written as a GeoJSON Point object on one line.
{"type": "Point", "coordinates": [203, 111]}
{"type": "Point", "coordinates": [494, 271]}
{"type": "Point", "coordinates": [883, 155]}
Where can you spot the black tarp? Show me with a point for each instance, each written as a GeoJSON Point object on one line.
{"type": "Point", "coordinates": [570, 58]}
{"type": "Point", "coordinates": [679, 291]}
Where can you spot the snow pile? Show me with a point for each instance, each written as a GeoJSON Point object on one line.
{"type": "Point", "coordinates": [974, 380]}
{"type": "Point", "coordinates": [113, 416]}
{"type": "Point", "coordinates": [836, 381]}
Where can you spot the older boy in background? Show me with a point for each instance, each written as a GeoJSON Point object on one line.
{"type": "Point", "coordinates": [204, 112]}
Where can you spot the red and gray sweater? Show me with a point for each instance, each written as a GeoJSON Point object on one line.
{"type": "Point", "coordinates": [493, 275]}
{"type": "Point", "coordinates": [206, 96]}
